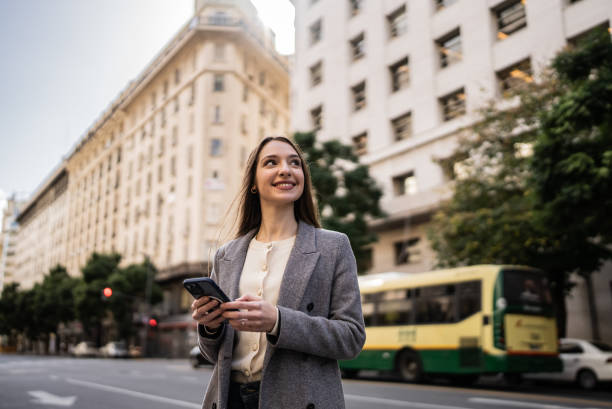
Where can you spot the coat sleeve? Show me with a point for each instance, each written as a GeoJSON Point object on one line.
{"type": "Point", "coordinates": [342, 334]}
{"type": "Point", "coordinates": [209, 343]}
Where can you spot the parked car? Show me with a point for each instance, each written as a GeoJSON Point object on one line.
{"type": "Point", "coordinates": [114, 350]}
{"type": "Point", "coordinates": [135, 351]}
{"type": "Point", "coordinates": [587, 363]}
{"type": "Point", "coordinates": [196, 358]}
{"type": "Point", "coordinates": [85, 349]}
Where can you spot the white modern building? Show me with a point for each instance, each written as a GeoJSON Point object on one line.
{"type": "Point", "coordinates": [399, 78]}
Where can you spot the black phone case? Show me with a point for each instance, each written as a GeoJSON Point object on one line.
{"type": "Point", "coordinates": [204, 286]}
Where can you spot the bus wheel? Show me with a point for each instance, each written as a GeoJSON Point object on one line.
{"type": "Point", "coordinates": [586, 379]}
{"type": "Point", "coordinates": [409, 367]}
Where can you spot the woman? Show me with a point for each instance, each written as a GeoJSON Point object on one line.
{"type": "Point", "coordinates": [296, 308]}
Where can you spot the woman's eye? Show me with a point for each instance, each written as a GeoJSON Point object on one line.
{"type": "Point", "coordinates": [269, 162]}
{"type": "Point", "coordinates": [295, 162]}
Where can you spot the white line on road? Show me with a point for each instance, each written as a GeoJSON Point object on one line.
{"type": "Point", "coordinates": [393, 402]}
{"type": "Point", "coordinates": [518, 404]}
{"type": "Point", "coordinates": [136, 394]}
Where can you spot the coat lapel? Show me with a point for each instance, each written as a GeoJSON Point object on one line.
{"type": "Point", "coordinates": [234, 260]}
{"type": "Point", "coordinates": [301, 263]}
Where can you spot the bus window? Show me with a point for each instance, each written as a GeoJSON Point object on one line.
{"type": "Point", "coordinates": [468, 295]}
{"type": "Point", "coordinates": [368, 306]}
{"type": "Point", "coordinates": [436, 304]}
{"type": "Point", "coordinates": [394, 308]}
{"type": "Point", "coordinates": [528, 289]}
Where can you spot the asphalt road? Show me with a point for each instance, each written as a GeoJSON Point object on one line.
{"type": "Point", "coordinates": [51, 382]}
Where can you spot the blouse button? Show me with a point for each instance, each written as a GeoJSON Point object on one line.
{"type": "Point", "coordinates": [247, 372]}
{"type": "Point", "coordinates": [259, 292]}
{"type": "Point", "coordinates": [255, 347]}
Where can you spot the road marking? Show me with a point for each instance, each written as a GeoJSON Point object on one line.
{"type": "Point", "coordinates": [401, 403]}
{"type": "Point", "coordinates": [46, 398]}
{"type": "Point", "coordinates": [517, 403]}
{"type": "Point", "coordinates": [136, 394]}
{"type": "Point", "coordinates": [471, 391]}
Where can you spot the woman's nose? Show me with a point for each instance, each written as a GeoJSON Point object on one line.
{"type": "Point", "coordinates": [284, 168]}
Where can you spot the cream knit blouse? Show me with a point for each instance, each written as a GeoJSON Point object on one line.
{"type": "Point", "coordinates": [262, 274]}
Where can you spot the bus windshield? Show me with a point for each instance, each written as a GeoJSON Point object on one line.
{"type": "Point", "coordinates": [527, 289]}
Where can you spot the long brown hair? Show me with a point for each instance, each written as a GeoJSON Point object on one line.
{"type": "Point", "coordinates": [249, 206]}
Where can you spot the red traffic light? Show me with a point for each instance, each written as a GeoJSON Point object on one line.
{"type": "Point", "coordinates": [107, 292]}
{"type": "Point", "coordinates": [152, 322]}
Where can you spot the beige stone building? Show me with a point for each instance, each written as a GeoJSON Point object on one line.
{"type": "Point", "coordinates": [8, 240]}
{"type": "Point", "coordinates": [399, 78]}
{"type": "Point", "coordinates": [155, 174]}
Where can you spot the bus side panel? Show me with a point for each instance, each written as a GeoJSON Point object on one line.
{"type": "Point", "coordinates": [372, 359]}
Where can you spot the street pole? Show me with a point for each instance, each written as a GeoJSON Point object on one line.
{"type": "Point", "coordinates": [147, 304]}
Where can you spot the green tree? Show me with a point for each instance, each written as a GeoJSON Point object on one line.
{"type": "Point", "coordinates": [347, 196]}
{"type": "Point", "coordinates": [90, 309]}
{"type": "Point", "coordinates": [54, 301]}
{"type": "Point", "coordinates": [10, 320]}
{"type": "Point", "coordinates": [512, 207]}
{"type": "Point", "coordinates": [572, 163]}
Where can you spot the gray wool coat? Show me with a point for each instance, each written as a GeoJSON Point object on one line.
{"type": "Point", "coordinates": [320, 322]}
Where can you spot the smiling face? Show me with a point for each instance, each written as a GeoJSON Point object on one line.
{"type": "Point", "coordinates": [279, 177]}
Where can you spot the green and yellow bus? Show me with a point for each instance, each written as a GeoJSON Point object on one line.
{"type": "Point", "coordinates": [459, 323]}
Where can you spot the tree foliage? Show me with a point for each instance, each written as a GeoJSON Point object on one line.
{"type": "Point", "coordinates": [535, 175]}
{"type": "Point", "coordinates": [347, 197]}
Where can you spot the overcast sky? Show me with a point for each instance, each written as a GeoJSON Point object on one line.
{"type": "Point", "coordinates": [64, 61]}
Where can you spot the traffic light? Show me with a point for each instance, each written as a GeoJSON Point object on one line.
{"type": "Point", "coordinates": [152, 322]}
{"type": "Point", "coordinates": [107, 292]}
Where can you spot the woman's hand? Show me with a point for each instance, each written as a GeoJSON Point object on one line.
{"type": "Point", "coordinates": [254, 315]}
{"type": "Point", "coordinates": [204, 310]}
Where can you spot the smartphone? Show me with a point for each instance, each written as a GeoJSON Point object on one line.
{"type": "Point", "coordinates": [204, 286]}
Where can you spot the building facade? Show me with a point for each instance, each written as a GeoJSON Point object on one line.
{"type": "Point", "coordinates": [155, 174]}
{"type": "Point", "coordinates": [8, 240]}
{"type": "Point", "coordinates": [398, 79]}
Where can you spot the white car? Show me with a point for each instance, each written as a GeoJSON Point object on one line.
{"type": "Point", "coordinates": [85, 349]}
{"type": "Point", "coordinates": [585, 362]}
{"type": "Point", "coordinates": [114, 350]}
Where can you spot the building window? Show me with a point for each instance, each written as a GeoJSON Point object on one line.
{"type": "Point", "coordinates": [355, 6]}
{"type": "Point", "coordinates": [405, 184]}
{"type": "Point", "coordinates": [316, 117]}
{"type": "Point", "coordinates": [243, 125]}
{"type": "Point", "coordinates": [441, 4]}
{"type": "Point", "coordinates": [245, 93]}
{"type": "Point", "coordinates": [449, 48]}
{"type": "Point", "coordinates": [177, 76]}
{"type": "Point", "coordinates": [453, 105]}
{"type": "Point", "coordinates": [358, 47]}
{"type": "Point", "coordinates": [360, 144]}
{"type": "Point", "coordinates": [192, 91]}
{"type": "Point", "coordinates": [215, 147]}
{"type": "Point", "coordinates": [514, 77]}
{"type": "Point", "coordinates": [218, 85]}
{"type": "Point", "coordinates": [176, 104]}
{"type": "Point", "coordinates": [407, 251]}
{"type": "Point", "coordinates": [316, 32]}
{"type": "Point", "coordinates": [262, 78]}
{"type": "Point", "coordinates": [580, 39]}
{"type": "Point", "coordinates": [174, 135]}
{"type": "Point", "coordinates": [402, 126]}
{"type": "Point", "coordinates": [400, 75]}
{"type": "Point", "coordinates": [219, 51]}
{"type": "Point", "coordinates": [173, 166]}
{"type": "Point", "coordinates": [397, 22]}
{"type": "Point", "coordinates": [165, 89]}
{"type": "Point", "coordinates": [262, 107]}
{"type": "Point", "coordinates": [510, 17]}
{"type": "Point", "coordinates": [359, 96]}
{"type": "Point", "coordinates": [316, 74]}
{"type": "Point", "coordinates": [217, 115]}
{"type": "Point", "coordinates": [153, 100]}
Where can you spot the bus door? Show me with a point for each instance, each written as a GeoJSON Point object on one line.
{"type": "Point", "coordinates": [471, 340]}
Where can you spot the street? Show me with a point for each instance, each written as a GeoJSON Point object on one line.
{"type": "Point", "coordinates": [37, 381]}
